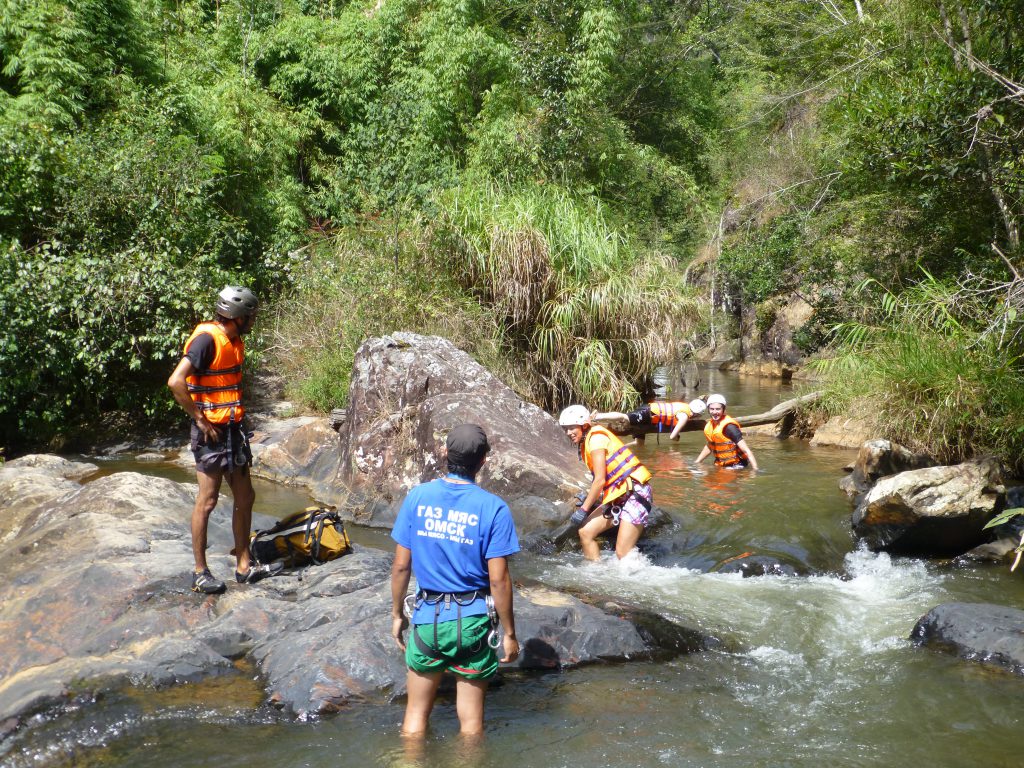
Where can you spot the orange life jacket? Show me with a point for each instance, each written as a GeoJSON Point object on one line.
{"type": "Point", "coordinates": [621, 466]}
{"type": "Point", "coordinates": [727, 453]}
{"type": "Point", "coordinates": [217, 391]}
{"type": "Point", "coordinates": [666, 415]}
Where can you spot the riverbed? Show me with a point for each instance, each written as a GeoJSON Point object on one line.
{"type": "Point", "coordinates": [812, 669]}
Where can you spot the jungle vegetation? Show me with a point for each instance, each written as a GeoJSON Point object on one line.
{"type": "Point", "coordinates": [574, 191]}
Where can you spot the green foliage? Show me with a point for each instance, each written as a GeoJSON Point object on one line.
{"type": "Point", "coordinates": [354, 287]}
{"type": "Point", "coordinates": [86, 333]}
{"type": "Point", "coordinates": [1004, 517]}
{"type": "Point", "coordinates": [570, 156]}
{"type": "Point", "coordinates": [593, 312]}
{"type": "Point", "coordinates": [932, 375]}
{"type": "Point", "coordinates": [762, 266]}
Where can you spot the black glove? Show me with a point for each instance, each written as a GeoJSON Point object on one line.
{"type": "Point", "coordinates": [580, 498]}
{"type": "Point", "coordinates": [579, 516]}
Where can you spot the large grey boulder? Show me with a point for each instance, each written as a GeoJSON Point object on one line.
{"type": "Point", "coordinates": [931, 511]}
{"type": "Point", "coordinates": [407, 392]}
{"type": "Point", "coordinates": [296, 451]}
{"type": "Point", "coordinates": [877, 459]}
{"type": "Point", "coordinates": [94, 595]}
{"type": "Point", "coordinates": [991, 634]}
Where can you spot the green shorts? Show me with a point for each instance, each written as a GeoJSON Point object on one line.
{"type": "Point", "coordinates": [477, 661]}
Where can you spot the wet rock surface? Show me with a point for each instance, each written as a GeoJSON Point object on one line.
{"type": "Point", "coordinates": [931, 511]}
{"type": "Point", "coordinates": [95, 595]}
{"type": "Point", "coordinates": [407, 392]}
{"type": "Point", "coordinates": [990, 634]}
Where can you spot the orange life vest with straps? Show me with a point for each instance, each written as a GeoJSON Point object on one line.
{"type": "Point", "coordinates": [665, 415]}
{"type": "Point", "coordinates": [727, 453]}
{"type": "Point", "coordinates": [217, 391]}
{"type": "Point", "coordinates": [621, 466]}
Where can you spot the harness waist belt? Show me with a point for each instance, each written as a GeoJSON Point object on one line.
{"type": "Point", "coordinates": [432, 597]}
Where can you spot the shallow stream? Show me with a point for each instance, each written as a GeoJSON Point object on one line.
{"type": "Point", "coordinates": [814, 670]}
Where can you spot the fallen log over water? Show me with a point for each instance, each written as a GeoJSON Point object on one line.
{"type": "Point", "coordinates": [619, 423]}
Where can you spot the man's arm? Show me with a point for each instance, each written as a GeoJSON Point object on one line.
{"type": "Point", "coordinates": [179, 388]}
{"type": "Point", "coordinates": [742, 445]}
{"type": "Point", "coordinates": [680, 423]}
{"type": "Point", "coordinates": [401, 569]}
{"type": "Point", "coordinates": [704, 452]}
{"type": "Point", "coordinates": [501, 592]}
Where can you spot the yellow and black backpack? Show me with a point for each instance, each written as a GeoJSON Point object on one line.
{"type": "Point", "coordinates": [310, 537]}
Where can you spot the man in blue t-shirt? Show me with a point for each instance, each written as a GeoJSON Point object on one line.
{"type": "Point", "coordinates": [456, 538]}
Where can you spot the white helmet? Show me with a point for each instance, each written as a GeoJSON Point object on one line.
{"type": "Point", "coordinates": [712, 399]}
{"type": "Point", "coordinates": [697, 406]}
{"type": "Point", "coordinates": [574, 416]}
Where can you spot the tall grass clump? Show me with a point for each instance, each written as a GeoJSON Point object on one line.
{"type": "Point", "coordinates": [360, 284]}
{"type": "Point", "coordinates": [940, 371]}
{"type": "Point", "coordinates": [591, 312]}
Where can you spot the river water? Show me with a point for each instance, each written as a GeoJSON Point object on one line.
{"type": "Point", "coordinates": [813, 670]}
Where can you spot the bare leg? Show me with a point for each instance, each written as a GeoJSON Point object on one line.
{"type": "Point", "coordinates": [594, 527]}
{"type": "Point", "coordinates": [206, 500]}
{"type": "Point", "coordinates": [241, 517]}
{"type": "Point", "coordinates": [629, 535]}
{"type": "Point", "coordinates": [422, 688]}
{"type": "Point", "coordinates": [469, 703]}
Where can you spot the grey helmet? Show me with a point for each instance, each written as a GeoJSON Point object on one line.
{"type": "Point", "coordinates": [234, 301]}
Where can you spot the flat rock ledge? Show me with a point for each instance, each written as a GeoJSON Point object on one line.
{"type": "Point", "coordinates": [94, 595]}
{"type": "Point", "coordinates": [988, 634]}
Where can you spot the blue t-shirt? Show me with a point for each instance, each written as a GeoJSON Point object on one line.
{"type": "Point", "coordinates": [452, 530]}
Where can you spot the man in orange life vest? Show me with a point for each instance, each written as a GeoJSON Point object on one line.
{"type": "Point", "coordinates": [666, 416]}
{"type": "Point", "coordinates": [207, 384]}
{"type": "Point", "coordinates": [620, 485]}
{"type": "Point", "coordinates": [724, 439]}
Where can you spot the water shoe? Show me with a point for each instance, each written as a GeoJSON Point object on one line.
{"type": "Point", "coordinates": [207, 584]}
{"type": "Point", "coordinates": [259, 572]}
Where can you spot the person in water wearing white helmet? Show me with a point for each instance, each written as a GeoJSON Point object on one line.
{"type": "Point", "coordinates": [724, 438]}
{"type": "Point", "coordinates": [666, 416]}
{"type": "Point", "coordinates": [620, 485]}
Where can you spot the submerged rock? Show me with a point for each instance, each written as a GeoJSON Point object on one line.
{"type": "Point", "coordinates": [757, 565]}
{"type": "Point", "coordinates": [990, 634]}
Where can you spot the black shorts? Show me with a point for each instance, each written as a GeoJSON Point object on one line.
{"type": "Point", "coordinates": [229, 452]}
{"type": "Point", "coordinates": [641, 415]}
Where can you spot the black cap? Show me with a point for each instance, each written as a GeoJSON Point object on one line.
{"type": "Point", "coordinates": [467, 446]}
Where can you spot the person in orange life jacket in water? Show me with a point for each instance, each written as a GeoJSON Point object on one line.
{"type": "Point", "coordinates": [620, 485]}
{"type": "Point", "coordinates": [724, 439]}
{"type": "Point", "coordinates": [666, 416]}
{"type": "Point", "coordinates": [207, 384]}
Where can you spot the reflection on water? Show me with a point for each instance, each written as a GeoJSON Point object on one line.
{"type": "Point", "coordinates": [817, 669]}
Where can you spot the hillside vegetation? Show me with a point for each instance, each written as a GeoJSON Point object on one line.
{"type": "Point", "coordinates": [575, 191]}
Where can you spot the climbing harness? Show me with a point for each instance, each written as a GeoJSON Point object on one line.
{"type": "Point", "coordinates": [437, 599]}
{"type": "Point", "coordinates": [493, 638]}
{"type": "Point", "coordinates": [614, 512]}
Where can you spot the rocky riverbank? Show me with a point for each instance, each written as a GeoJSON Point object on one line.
{"type": "Point", "coordinates": [95, 592]}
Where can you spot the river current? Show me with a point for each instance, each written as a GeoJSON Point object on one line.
{"type": "Point", "coordinates": [813, 670]}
